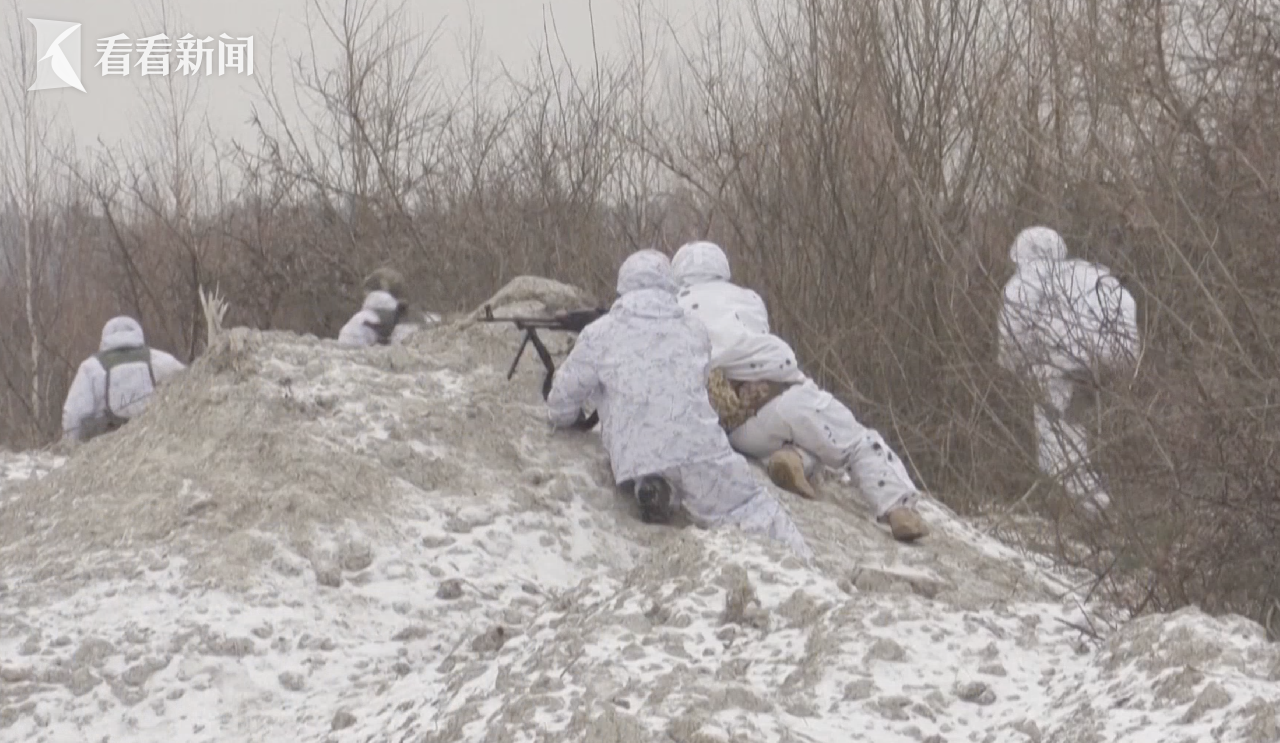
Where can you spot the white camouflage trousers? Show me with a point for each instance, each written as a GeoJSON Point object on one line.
{"type": "Point", "coordinates": [821, 425]}
{"type": "Point", "coordinates": [724, 492]}
{"type": "Point", "coordinates": [1062, 448]}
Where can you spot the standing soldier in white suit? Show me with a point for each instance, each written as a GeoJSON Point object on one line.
{"type": "Point", "coordinates": [1063, 321]}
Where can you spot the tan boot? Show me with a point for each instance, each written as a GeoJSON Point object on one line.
{"type": "Point", "coordinates": [906, 525]}
{"type": "Point", "coordinates": [786, 469]}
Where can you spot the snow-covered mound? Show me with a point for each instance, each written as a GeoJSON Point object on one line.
{"type": "Point", "coordinates": [16, 467]}
{"type": "Point", "coordinates": [300, 542]}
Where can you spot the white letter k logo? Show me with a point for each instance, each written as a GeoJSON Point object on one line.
{"type": "Point", "coordinates": [57, 68]}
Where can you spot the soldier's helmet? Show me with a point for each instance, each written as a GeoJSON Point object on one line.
{"type": "Point", "coordinates": [385, 279]}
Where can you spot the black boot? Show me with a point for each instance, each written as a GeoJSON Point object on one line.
{"type": "Point", "coordinates": [654, 496]}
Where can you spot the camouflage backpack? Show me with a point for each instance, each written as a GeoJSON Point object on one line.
{"type": "Point", "coordinates": [109, 420]}
{"type": "Point", "coordinates": [736, 402]}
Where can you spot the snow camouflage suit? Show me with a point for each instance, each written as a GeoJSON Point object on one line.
{"type": "Point", "coordinates": [644, 366]}
{"type": "Point", "coordinates": [1062, 320]}
{"type": "Point", "coordinates": [115, 384]}
{"type": "Point", "coordinates": [802, 414]}
{"type": "Point", "coordinates": [376, 322]}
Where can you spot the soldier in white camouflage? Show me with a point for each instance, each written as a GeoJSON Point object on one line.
{"type": "Point", "coordinates": [772, 410]}
{"type": "Point", "coordinates": [115, 384]}
{"type": "Point", "coordinates": [644, 366]}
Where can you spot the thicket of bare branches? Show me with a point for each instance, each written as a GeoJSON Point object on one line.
{"type": "Point", "coordinates": [866, 166]}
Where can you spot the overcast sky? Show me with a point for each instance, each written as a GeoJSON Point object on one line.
{"type": "Point", "coordinates": [112, 106]}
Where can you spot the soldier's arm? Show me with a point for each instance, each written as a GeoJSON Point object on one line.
{"type": "Point", "coordinates": [576, 380]}
{"type": "Point", "coordinates": [80, 404]}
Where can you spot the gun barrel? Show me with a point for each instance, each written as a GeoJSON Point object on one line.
{"type": "Point", "coordinates": [573, 321]}
{"type": "Point", "coordinates": [532, 322]}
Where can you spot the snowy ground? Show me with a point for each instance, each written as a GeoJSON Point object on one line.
{"type": "Point", "coordinates": [307, 543]}
{"type": "Point", "coordinates": [19, 467]}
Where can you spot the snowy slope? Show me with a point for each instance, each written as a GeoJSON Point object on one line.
{"type": "Point", "coordinates": [18, 467]}
{"type": "Point", "coordinates": [307, 543]}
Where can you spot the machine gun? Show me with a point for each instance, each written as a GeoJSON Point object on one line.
{"type": "Point", "coordinates": [571, 322]}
